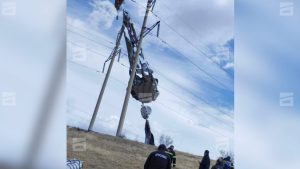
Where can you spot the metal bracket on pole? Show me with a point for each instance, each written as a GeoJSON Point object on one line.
{"type": "Point", "coordinates": [112, 58]}
{"type": "Point", "coordinates": [129, 87]}
{"type": "Point", "coordinates": [148, 30]}
{"type": "Point", "coordinates": [109, 58]}
{"type": "Point", "coordinates": [119, 56]}
{"type": "Point", "coordinates": [153, 4]}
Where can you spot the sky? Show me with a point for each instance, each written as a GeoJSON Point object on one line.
{"type": "Point", "coordinates": [267, 65]}
{"type": "Point", "coordinates": [192, 59]}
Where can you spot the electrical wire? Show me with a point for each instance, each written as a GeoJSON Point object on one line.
{"type": "Point", "coordinates": [196, 96]}
{"type": "Point", "coordinates": [164, 76]}
{"type": "Point", "coordinates": [184, 38]}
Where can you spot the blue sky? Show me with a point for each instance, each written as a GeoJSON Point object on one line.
{"type": "Point", "coordinates": [196, 101]}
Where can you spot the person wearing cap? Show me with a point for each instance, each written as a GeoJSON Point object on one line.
{"type": "Point", "coordinates": [158, 159]}
{"type": "Point", "coordinates": [205, 162]}
{"type": "Point", "coordinates": [172, 155]}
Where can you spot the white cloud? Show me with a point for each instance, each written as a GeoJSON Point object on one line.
{"type": "Point", "coordinates": [229, 65]}
{"type": "Point", "coordinates": [103, 14]}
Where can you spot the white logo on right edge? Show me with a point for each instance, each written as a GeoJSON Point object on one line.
{"type": "Point", "coordinates": [287, 8]}
{"type": "Point", "coordinates": [286, 99]}
{"type": "Point", "coordinates": [8, 8]}
{"type": "Point", "coordinates": [8, 99]}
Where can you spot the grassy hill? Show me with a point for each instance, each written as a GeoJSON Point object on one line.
{"type": "Point", "coordinates": [99, 151]}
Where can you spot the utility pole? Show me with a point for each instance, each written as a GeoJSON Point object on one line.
{"type": "Point", "coordinates": [129, 87]}
{"type": "Point", "coordinates": [112, 56]}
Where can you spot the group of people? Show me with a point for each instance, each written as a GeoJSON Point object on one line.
{"type": "Point", "coordinates": [165, 158]}
{"type": "Point", "coordinates": [221, 163]}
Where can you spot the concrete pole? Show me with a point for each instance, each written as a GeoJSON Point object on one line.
{"type": "Point", "coordinates": [129, 87]}
{"type": "Point", "coordinates": [114, 53]}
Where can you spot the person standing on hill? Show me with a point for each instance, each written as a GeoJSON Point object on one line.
{"type": "Point", "coordinates": [219, 164]}
{"type": "Point", "coordinates": [205, 162]}
{"type": "Point", "coordinates": [158, 159]}
{"type": "Point", "coordinates": [227, 163]}
{"type": "Point", "coordinates": [172, 155]}
{"type": "Point", "coordinates": [149, 138]}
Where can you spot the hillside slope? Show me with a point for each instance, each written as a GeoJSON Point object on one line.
{"type": "Point", "coordinates": [108, 152]}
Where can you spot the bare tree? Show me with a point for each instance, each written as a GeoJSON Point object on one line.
{"type": "Point", "coordinates": [166, 140]}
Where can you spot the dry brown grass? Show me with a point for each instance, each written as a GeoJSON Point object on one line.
{"type": "Point", "coordinates": [108, 152]}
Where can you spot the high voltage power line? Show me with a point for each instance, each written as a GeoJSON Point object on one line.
{"type": "Point", "coordinates": [194, 64]}
{"type": "Point", "coordinates": [163, 105]}
{"type": "Point", "coordinates": [185, 39]}
{"type": "Point", "coordinates": [172, 82]}
{"type": "Point", "coordinates": [178, 52]}
{"type": "Point", "coordinates": [162, 75]}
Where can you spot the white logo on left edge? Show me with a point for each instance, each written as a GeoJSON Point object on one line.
{"type": "Point", "coordinates": [9, 99]}
{"type": "Point", "coordinates": [286, 99]}
{"type": "Point", "coordinates": [79, 144]}
{"type": "Point", "coordinates": [8, 8]}
{"type": "Point", "coordinates": [79, 53]}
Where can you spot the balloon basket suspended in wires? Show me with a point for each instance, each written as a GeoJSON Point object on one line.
{"type": "Point", "coordinates": [144, 88]}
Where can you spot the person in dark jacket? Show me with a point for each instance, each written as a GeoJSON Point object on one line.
{"type": "Point", "coordinates": [205, 162]}
{"type": "Point", "coordinates": [219, 164]}
{"type": "Point", "coordinates": [172, 155]}
{"type": "Point", "coordinates": [227, 163]}
{"type": "Point", "coordinates": [158, 159]}
{"type": "Point", "coordinates": [149, 138]}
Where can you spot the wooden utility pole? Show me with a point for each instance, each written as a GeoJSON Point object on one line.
{"type": "Point", "coordinates": [129, 87]}
{"type": "Point", "coordinates": [112, 56]}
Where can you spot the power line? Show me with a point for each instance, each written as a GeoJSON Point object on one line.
{"type": "Point", "coordinates": [159, 73]}
{"type": "Point", "coordinates": [198, 124]}
{"type": "Point", "coordinates": [174, 49]}
{"type": "Point", "coordinates": [163, 105]}
{"type": "Point", "coordinates": [110, 42]}
{"type": "Point", "coordinates": [169, 108]}
{"type": "Point", "coordinates": [79, 34]}
{"type": "Point", "coordinates": [183, 21]}
{"type": "Point", "coordinates": [221, 111]}
{"type": "Point", "coordinates": [124, 84]}
{"type": "Point", "coordinates": [172, 92]}
{"type": "Point", "coordinates": [165, 76]}
{"type": "Point", "coordinates": [188, 41]}
{"type": "Point", "coordinates": [203, 100]}
{"type": "Point", "coordinates": [93, 51]}
{"type": "Point", "coordinates": [184, 38]}
{"type": "Point", "coordinates": [194, 64]}
{"type": "Point", "coordinates": [188, 102]}
{"type": "Point", "coordinates": [95, 41]}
